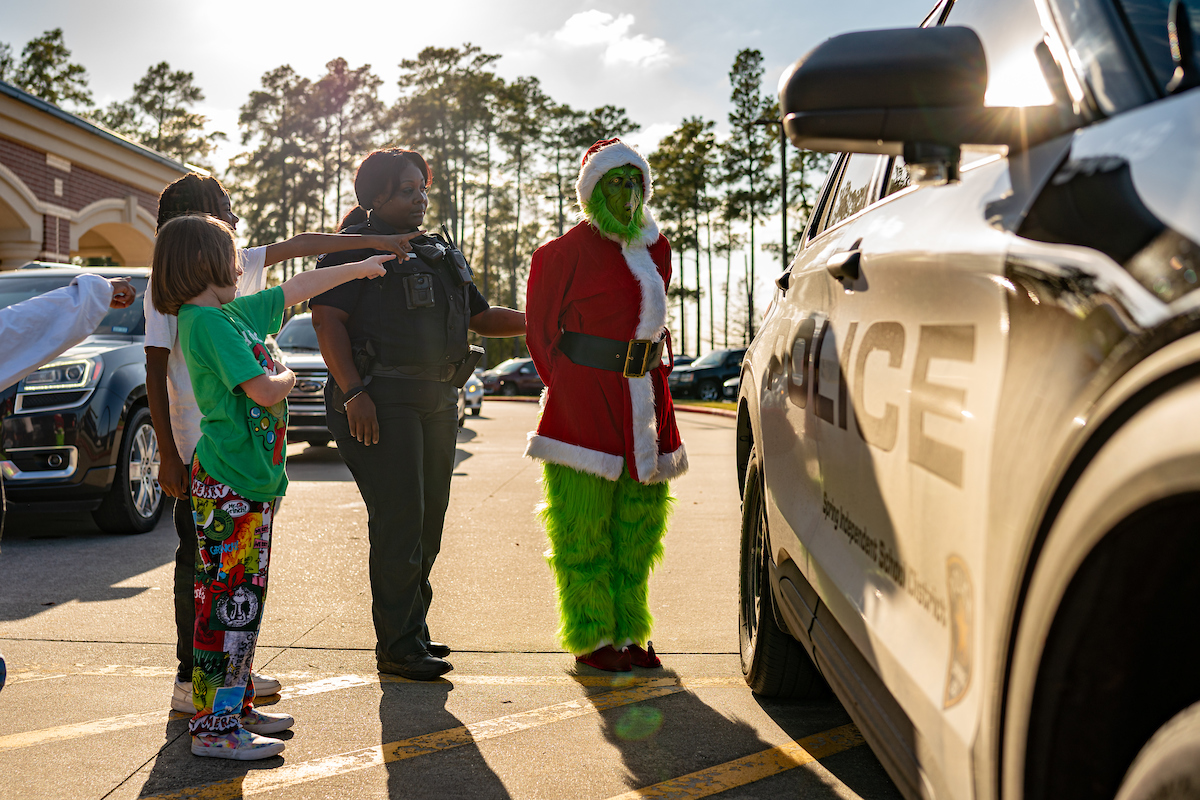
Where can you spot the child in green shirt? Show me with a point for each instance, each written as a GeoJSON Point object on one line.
{"type": "Point", "coordinates": [238, 469]}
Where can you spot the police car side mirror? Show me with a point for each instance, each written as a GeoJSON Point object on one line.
{"type": "Point", "coordinates": [916, 92]}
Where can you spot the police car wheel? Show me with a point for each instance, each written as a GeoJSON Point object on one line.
{"type": "Point", "coordinates": [1168, 767]}
{"type": "Point", "coordinates": [135, 501]}
{"type": "Point", "coordinates": [773, 663]}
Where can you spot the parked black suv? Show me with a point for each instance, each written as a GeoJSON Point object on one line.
{"type": "Point", "coordinates": [76, 432]}
{"type": "Point", "coordinates": [703, 378]}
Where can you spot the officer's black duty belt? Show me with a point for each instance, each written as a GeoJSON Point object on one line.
{"type": "Point", "coordinates": [633, 359]}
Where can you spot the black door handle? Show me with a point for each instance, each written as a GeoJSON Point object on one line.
{"type": "Point", "coordinates": [846, 265]}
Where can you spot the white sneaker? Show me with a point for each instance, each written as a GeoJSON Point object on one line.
{"type": "Point", "coordinates": [265, 686]}
{"type": "Point", "coordinates": [257, 721]}
{"type": "Point", "coordinates": [181, 696]}
{"type": "Point", "coordinates": [239, 745]}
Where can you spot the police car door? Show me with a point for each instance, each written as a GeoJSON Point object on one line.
{"type": "Point", "coordinates": [914, 357]}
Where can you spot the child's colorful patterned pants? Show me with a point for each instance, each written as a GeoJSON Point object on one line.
{"type": "Point", "coordinates": [233, 538]}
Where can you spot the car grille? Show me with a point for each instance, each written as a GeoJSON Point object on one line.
{"type": "Point", "coordinates": [308, 395]}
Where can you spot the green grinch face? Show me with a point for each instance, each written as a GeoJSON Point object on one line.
{"type": "Point", "coordinates": [622, 188]}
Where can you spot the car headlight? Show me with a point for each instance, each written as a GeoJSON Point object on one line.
{"type": "Point", "coordinates": [687, 377]}
{"type": "Point", "coordinates": [472, 389]}
{"type": "Point", "coordinates": [64, 375]}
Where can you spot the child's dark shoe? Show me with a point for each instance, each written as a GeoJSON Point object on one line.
{"type": "Point", "coordinates": [607, 658]}
{"type": "Point", "coordinates": [643, 658]}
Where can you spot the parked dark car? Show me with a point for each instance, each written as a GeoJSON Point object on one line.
{"type": "Point", "coordinates": [681, 360]}
{"type": "Point", "coordinates": [76, 434]}
{"type": "Point", "coordinates": [703, 378]}
{"type": "Point", "coordinates": [512, 377]}
{"type": "Point", "coordinates": [306, 402]}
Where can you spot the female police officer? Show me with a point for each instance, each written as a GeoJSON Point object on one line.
{"type": "Point", "coordinates": [393, 351]}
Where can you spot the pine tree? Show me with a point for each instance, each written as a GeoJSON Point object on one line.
{"type": "Point", "coordinates": [46, 71]}
{"type": "Point", "coordinates": [160, 115]}
{"type": "Point", "coordinates": [748, 154]}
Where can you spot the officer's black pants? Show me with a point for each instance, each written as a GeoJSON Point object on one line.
{"type": "Point", "coordinates": [405, 483]}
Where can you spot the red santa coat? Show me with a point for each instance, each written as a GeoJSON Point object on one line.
{"type": "Point", "coordinates": [596, 420]}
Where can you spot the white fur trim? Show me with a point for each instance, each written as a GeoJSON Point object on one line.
{"type": "Point", "coordinates": [617, 154]}
{"type": "Point", "coordinates": [593, 462]}
{"type": "Point", "coordinates": [671, 465]}
{"type": "Point", "coordinates": [645, 427]}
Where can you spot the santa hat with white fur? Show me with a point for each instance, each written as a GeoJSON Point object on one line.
{"type": "Point", "coordinates": [609, 154]}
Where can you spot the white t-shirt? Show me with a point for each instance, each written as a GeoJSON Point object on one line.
{"type": "Point", "coordinates": [42, 327]}
{"type": "Point", "coordinates": [162, 330]}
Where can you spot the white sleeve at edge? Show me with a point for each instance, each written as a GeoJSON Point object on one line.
{"type": "Point", "coordinates": [254, 271]}
{"type": "Point", "coordinates": [42, 327]}
{"type": "Point", "coordinates": [161, 328]}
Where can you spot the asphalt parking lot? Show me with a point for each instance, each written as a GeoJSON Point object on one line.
{"type": "Point", "coordinates": [85, 623]}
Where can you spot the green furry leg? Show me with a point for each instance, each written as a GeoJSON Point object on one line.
{"type": "Point", "coordinates": [576, 515]}
{"type": "Point", "coordinates": [639, 520]}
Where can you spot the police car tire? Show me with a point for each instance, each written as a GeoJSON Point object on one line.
{"type": "Point", "coordinates": [117, 513]}
{"type": "Point", "coordinates": [773, 663]}
{"type": "Point", "coordinates": [1168, 767]}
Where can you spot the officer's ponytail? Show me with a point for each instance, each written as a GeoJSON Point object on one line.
{"type": "Point", "coordinates": [353, 217]}
{"type": "Point", "coordinates": [377, 175]}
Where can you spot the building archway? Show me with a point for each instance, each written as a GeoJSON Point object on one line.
{"type": "Point", "coordinates": [20, 221]}
{"type": "Point", "coordinates": [116, 229]}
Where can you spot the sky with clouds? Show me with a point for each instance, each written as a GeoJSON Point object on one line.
{"type": "Point", "coordinates": [662, 60]}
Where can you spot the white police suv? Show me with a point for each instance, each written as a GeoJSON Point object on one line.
{"type": "Point", "coordinates": [969, 428]}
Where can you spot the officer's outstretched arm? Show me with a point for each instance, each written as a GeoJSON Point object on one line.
{"type": "Point", "coordinates": [499, 322]}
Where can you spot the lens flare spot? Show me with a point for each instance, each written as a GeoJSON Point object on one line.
{"type": "Point", "coordinates": [639, 723]}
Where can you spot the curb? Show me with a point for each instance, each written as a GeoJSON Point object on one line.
{"type": "Point", "coordinates": [716, 412]}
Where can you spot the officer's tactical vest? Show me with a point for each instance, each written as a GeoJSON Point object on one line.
{"type": "Point", "coordinates": [417, 313]}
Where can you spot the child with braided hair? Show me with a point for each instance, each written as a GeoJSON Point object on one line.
{"type": "Point", "coordinates": [172, 403]}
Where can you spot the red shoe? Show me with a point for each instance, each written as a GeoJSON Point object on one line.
{"type": "Point", "coordinates": [643, 658]}
{"type": "Point", "coordinates": [608, 659]}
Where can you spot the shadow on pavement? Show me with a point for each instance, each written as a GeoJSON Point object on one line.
{"type": "Point", "coordinates": [857, 768]}
{"type": "Point", "coordinates": [415, 709]}
{"type": "Point", "coordinates": [42, 553]}
{"type": "Point", "coordinates": [679, 734]}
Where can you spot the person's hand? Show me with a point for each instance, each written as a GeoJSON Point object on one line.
{"type": "Point", "coordinates": [372, 267]}
{"type": "Point", "coordinates": [364, 425]}
{"type": "Point", "coordinates": [399, 243]}
{"type": "Point", "coordinates": [173, 476]}
{"type": "Point", "coordinates": [123, 293]}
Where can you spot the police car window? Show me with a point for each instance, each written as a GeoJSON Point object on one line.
{"type": "Point", "coordinates": [1148, 21]}
{"type": "Point", "coordinates": [1095, 37]}
{"type": "Point", "coordinates": [1009, 33]}
{"type": "Point", "coordinates": [898, 177]}
{"type": "Point", "coordinates": [854, 190]}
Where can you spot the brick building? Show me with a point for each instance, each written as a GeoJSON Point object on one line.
{"type": "Point", "coordinates": [69, 188]}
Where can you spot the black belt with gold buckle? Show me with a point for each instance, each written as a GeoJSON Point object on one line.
{"type": "Point", "coordinates": [633, 358]}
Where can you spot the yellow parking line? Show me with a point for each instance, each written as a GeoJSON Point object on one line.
{"type": "Point", "coordinates": [261, 781]}
{"type": "Point", "coordinates": [15, 741]}
{"type": "Point", "coordinates": [752, 768]}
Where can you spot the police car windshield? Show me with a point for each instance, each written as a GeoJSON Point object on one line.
{"type": "Point", "coordinates": [117, 322]}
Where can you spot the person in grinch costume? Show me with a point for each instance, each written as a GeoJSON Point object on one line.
{"type": "Point", "coordinates": [596, 311]}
